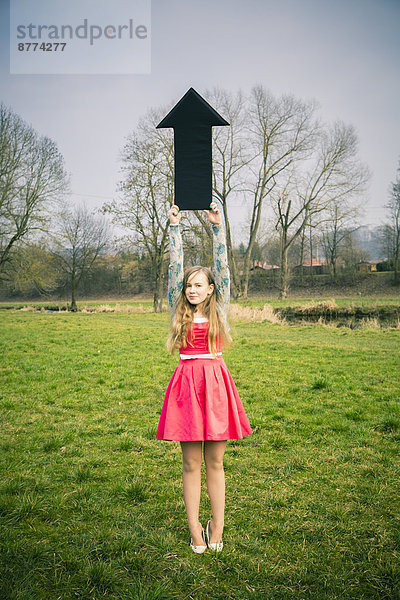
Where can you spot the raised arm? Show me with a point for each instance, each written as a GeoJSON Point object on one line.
{"type": "Point", "coordinates": [221, 267]}
{"type": "Point", "coordinates": [175, 270]}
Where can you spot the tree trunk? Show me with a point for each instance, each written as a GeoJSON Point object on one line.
{"type": "Point", "coordinates": [284, 275]}
{"type": "Point", "coordinates": [235, 286]}
{"type": "Point", "coordinates": [335, 245]}
{"type": "Point", "coordinates": [158, 292]}
{"type": "Point", "coordinates": [244, 282]}
{"type": "Point", "coordinates": [396, 258]}
{"type": "Point", "coordinates": [334, 263]}
{"type": "Point", "coordinates": [74, 307]}
{"type": "Point", "coordinates": [244, 286]}
{"type": "Point", "coordinates": [284, 279]}
{"type": "Point", "coordinates": [4, 256]}
{"type": "Point", "coordinates": [303, 240]}
{"type": "Point", "coordinates": [159, 276]}
{"type": "Point", "coordinates": [311, 255]}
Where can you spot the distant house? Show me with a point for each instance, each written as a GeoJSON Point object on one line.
{"type": "Point", "coordinates": [259, 264]}
{"type": "Point", "coordinates": [317, 266]}
{"type": "Point", "coordinates": [367, 266]}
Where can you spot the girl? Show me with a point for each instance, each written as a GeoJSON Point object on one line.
{"type": "Point", "coordinates": [201, 405]}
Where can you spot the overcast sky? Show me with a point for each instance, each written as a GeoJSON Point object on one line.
{"type": "Point", "coordinates": [345, 54]}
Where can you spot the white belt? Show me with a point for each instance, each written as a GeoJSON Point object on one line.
{"type": "Point", "coordinates": [185, 356]}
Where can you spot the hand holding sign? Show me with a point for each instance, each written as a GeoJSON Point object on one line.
{"type": "Point", "coordinates": [214, 216]}
{"type": "Point", "coordinates": [174, 215]}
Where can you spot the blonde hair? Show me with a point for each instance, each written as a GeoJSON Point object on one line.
{"type": "Point", "coordinates": [179, 334]}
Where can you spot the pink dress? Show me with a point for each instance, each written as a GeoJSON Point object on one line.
{"type": "Point", "coordinates": [202, 402]}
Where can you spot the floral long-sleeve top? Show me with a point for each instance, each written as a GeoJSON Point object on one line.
{"type": "Point", "coordinates": [221, 268]}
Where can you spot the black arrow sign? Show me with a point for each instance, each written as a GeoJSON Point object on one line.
{"type": "Point", "coordinates": [192, 119]}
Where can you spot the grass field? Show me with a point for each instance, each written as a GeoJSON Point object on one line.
{"type": "Point", "coordinates": [91, 503]}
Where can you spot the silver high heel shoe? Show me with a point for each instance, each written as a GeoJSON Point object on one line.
{"type": "Point", "coordinates": [199, 549]}
{"type": "Point", "coordinates": [217, 547]}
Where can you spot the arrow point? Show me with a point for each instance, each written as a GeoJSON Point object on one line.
{"type": "Point", "coordinates": [192, 110]}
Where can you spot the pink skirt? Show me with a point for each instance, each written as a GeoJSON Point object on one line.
{"type": "Point", "coordinates": [202, 403]}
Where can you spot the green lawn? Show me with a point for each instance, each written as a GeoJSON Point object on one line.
{"type": "Point", "coordinates": [91, 503]}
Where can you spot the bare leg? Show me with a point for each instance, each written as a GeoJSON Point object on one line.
{"type": "Point", "coordinates": [214, 459]}
{"type": "Point", "coordinates": [191, 458]}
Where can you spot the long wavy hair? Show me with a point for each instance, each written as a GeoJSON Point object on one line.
{"type": "Point", "coordinates": [180, 332]}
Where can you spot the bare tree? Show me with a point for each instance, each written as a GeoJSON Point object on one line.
{"type": "Point", "coordinates": [81, 238]}
{"type": "Point", "coordinates": [334, 175]}
{"type": "Point", "coordinates": [393, 227]}
{"type": "Point", "coordinates": [291, 222]}
{"type": "Point", "coordinates": [32, 181]}
{"type": "Point", "coordinates": [351, 253]}
{"type": "Point", "coordinates": [147, 194]}
{"type": "Point", "coordinates": [281, 132]}
{"type": "Point", "coordinates": [341, 219]}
